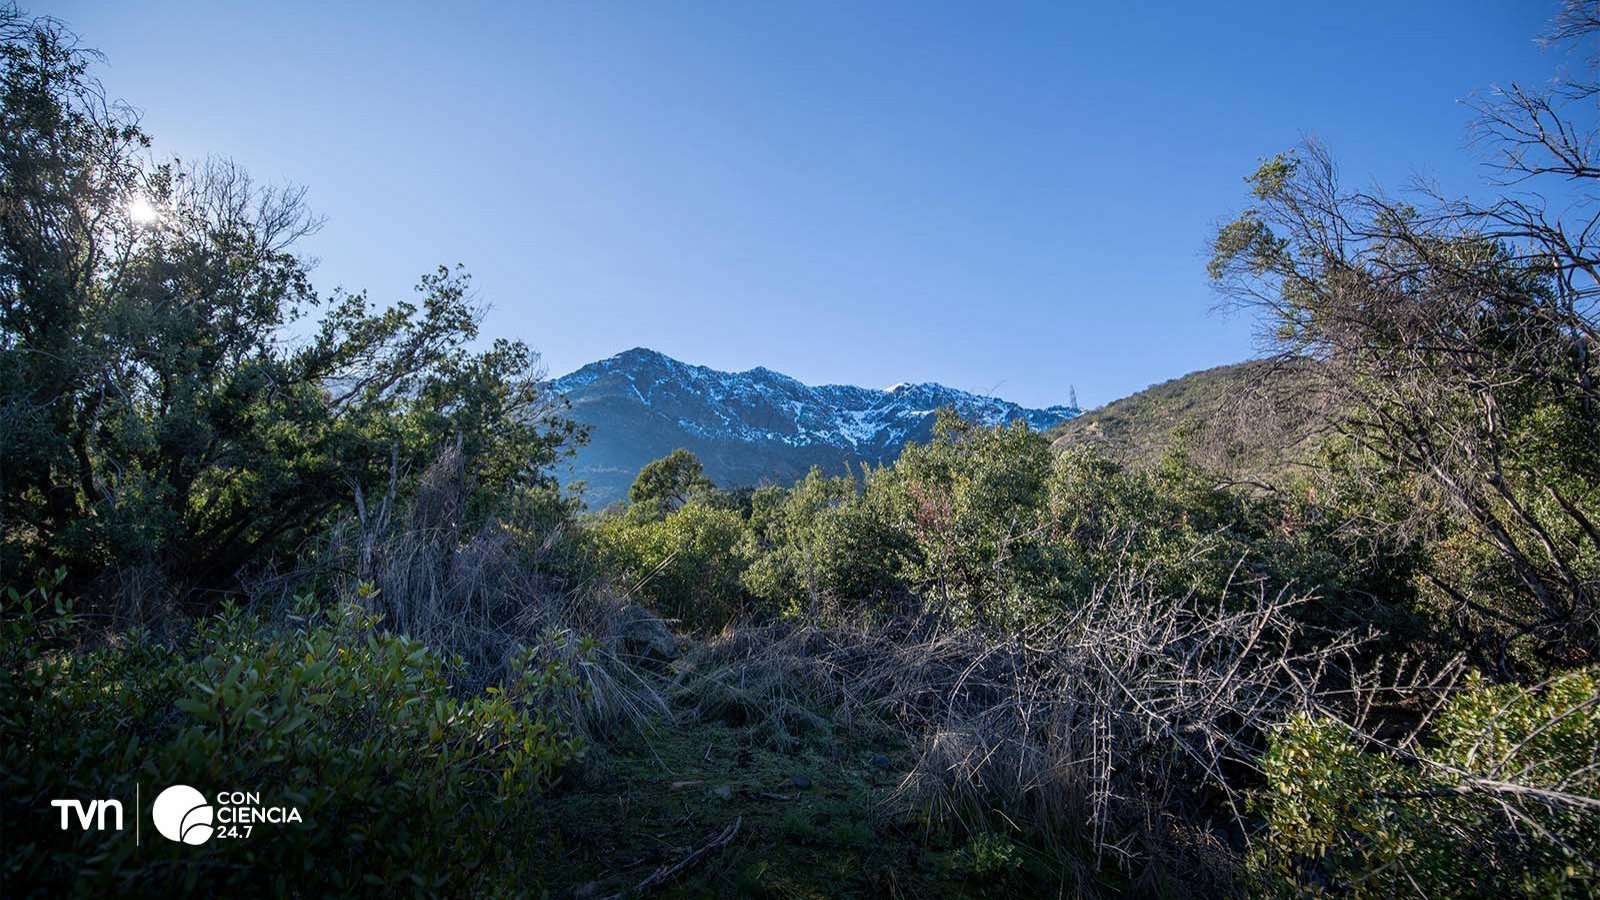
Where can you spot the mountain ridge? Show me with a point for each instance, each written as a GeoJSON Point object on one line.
{"type": "Point", "coordinates": [753, 426]}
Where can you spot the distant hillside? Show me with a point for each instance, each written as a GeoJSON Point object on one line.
{"type": "Point", "coordinates": [752, 427]}
{"type": "Point", "coordinates": [1251, 419]}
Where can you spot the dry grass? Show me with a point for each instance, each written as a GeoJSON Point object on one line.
{"type": "Point", "coordinates": [486, 594]}
{"type": "Point", "coordinates": [1112, 732]}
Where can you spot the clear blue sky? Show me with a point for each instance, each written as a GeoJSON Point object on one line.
{"type": "Point", "coordinates": [1004, 197]}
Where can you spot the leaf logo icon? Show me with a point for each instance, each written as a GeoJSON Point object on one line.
{"type": "Point", "coordinates": [182, 814]}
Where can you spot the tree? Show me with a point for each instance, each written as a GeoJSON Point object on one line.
{"type": "Point", "coordinates": [157, 416]}
{"type": "Point", "coordinates": [668, 483]}
{"type": "Point", "coordinates": [1464, 338]}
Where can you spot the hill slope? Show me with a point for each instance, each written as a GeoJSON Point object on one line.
{"type": "Point", "coordinates": [751, 427]}
{"type": "Point", "coordinates": [1252, 419]}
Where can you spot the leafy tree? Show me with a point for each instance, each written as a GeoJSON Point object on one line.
{"type": "Point", "coordinates": [668, 483]}
{"type": "Point", "coordinates": [1464, 338]}
{"type": "Point", "coordinates": [157, 412]}
{"type": "Point", "coordinates": [1472, 375]}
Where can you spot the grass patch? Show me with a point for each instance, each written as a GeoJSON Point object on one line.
{"type": "Point", "coordinates": [650, 801]}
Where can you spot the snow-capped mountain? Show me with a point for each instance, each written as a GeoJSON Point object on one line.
{"type": "Point", "coordinates": [752, 427]}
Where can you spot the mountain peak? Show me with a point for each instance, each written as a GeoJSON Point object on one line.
{"type": "Point", "coordinates": [640, 354]}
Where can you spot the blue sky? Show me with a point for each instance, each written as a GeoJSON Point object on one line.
{"type": "Point", "coordinates": [1003, 197]}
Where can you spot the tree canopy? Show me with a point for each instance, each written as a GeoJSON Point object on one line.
{"type": "Point", "coordinates": [176, 397]}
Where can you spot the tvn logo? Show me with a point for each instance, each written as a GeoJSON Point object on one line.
{"type": "Point", "coordinates": [94, 812]}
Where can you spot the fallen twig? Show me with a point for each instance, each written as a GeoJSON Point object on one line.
{"type": "Point", "coordinates": [667, 873]}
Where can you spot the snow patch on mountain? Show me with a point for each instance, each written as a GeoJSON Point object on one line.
{"type": "Point", "coordinates": [641, 403]}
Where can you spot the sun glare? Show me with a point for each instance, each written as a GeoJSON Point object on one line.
{"type": "Point", "coordinates": [142, 212]}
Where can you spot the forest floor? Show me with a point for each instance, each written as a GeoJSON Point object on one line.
{"type": "Point", "coordinates": [814, 819]}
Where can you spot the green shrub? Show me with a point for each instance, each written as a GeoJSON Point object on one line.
{"type": "Point", "coordinates": [987, 526]}
{"type": "Point", "coordinates": [973, 499]}
{"type": "Point", "coordinates": [824, 543]}
{"type": "Point", "coordinates": [686, 565]}
{"type": "Point", "coordinates": [400, 782]}
{"type": "Point", "coordinates": [1498, 803]}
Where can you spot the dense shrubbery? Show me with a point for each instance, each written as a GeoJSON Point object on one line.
{"type": "Point", "coordinates": [1149, 595]}
{"type": "Point", "coordinates": [686, 564]}
{"type": "Point", "coordinates": [397, 776]}
{"type": "Point", "coordinates": [823, 545]}
{"type": "Point", "coordinates": [983, 526]}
